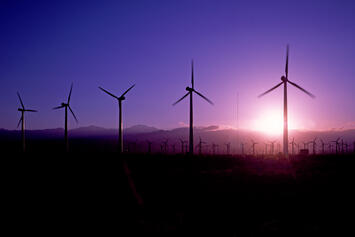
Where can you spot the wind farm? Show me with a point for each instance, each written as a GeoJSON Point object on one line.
{"type": "Point", "coordinates": [160, 161]}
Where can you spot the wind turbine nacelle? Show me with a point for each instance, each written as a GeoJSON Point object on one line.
{"type": "Point", "coordinates": [19, 109]}
{"type": "Point", "coordinates": [284, 79]}
{"type": "Point", "coordinates": [189, 89]}
{"type": "Point", "coordinates": [64, 104]}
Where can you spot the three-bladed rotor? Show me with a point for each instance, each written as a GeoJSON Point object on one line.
{"type": "Point", "coordinates": [285, 79]}
{"type": "Point", "coordinates": [191, 89]}
{"type": "Point", "coordinates": [67, 104]}
{"type": "Point", "coordinates": [23, 109]}
{"type": "Point", "coordinates": [122, 97]}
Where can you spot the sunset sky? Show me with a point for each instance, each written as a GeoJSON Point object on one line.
{"type": "Point", "coordinates": [237, 46]}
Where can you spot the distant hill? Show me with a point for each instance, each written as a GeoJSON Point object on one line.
{"type": "Point", "coordinates": [140, 134]}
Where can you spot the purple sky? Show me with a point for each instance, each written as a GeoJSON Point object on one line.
{"type": "Point", "coordinates": [237, 46]}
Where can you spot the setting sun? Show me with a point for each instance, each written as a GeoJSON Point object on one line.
{"type": "Point", "coordinates": [270, 122]}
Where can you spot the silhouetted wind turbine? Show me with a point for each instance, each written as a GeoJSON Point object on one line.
{"type": "Point", "coordinates": [336, 145]}
{"type": "Point", "coordinates": [183, 145]}
{"type": "Point", "coordinates": [285, 80]}
{"type": "Point", "coordinates": [190, 92]}
{"type": "Point", "coordinates": [272, 143]}
{"type": "Point", "coordinates": [119, 99]}
{"type": "Point", "coordinates": [200, 146]}
{"type": "Point", "coordinates": [253, 146]}
{"type": "Point", "coordinates": [66, 106]}
{"type": "Point", "coordinates": [293, 145]}
{"type": "Point", "coordinates": [314, 144]}
{"type": "Point", "coordinates": [266, 148]}
{"type": "Point", "coordinates": [22, 121]}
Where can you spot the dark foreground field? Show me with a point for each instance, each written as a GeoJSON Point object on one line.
{"type": "Point", "coordinates": [102, 194]}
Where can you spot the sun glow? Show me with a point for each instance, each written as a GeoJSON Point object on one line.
{"type": "Point", "coordinates": [270, 122]}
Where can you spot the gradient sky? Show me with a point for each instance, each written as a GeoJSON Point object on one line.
{"type": "Point", "coordinates": [237, 46]}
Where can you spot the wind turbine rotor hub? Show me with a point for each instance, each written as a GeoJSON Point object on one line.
{"type": "Point", "coordinates": [189, 89]}
{"type": "Point", "coordinates": [122, 98]}
{"type": "Point", "coordinates": [284, 79]}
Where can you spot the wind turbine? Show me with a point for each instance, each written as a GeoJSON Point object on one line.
{"type": "Point", "coordinates": [22, 121]}
{"type": "Point", "coordinates": [190, 92]}
{"type": "Point", "coordinates": [165, 145]}
{"type": "Point", "coordinates": [253, 146]}
{"type": "Point", "coordinates": [285, 80]}
{"type": "Point", "coordinates": [272, 143]}
{"type": "Point", "coordinates": [182, 145]}
{"type": "Point", "coordinates": [119, 99]}
{"type": "Point", "coordinates": [200, 146]}
{"type": "Point", "coordinates": [314, 144]}
{"type": "Point", "coordinates": [336, 145]}
{"type": "Point", "coordinates": [66, 106]}
{"type": "Point", "coordinates": [266, 148]}
{"type": "Point", "coordinates": [149, 146]}
{"type": "Point", "coordinates": [293, 145]}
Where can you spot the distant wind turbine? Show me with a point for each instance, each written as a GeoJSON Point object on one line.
{"type": "Point", "coordinates": [293, 145]}
{"type": "Point", "coordinates": [253, 146]}
{"type": "Point", "coordinates": [285, 80]}
{"type": "Point", "coordinates": [119, 99]}
{"type": "Point", "coordinates": [314, 144]}
{"type": "Point", "coordinates": [336, 145]}
{"type": "Point", "coordinates": [149, 146]}
{"type": "Point", "coordinates": [200, 146]}
{"type": "Point", "coordinates": [66, 106]}
{"type": "Point", "coordinates": [22, 121]}
{"type": "Point", "coordinates": [190, 92]}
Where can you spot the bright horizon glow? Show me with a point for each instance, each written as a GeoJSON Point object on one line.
{"type": "Point", "coordinates": [270, 122]}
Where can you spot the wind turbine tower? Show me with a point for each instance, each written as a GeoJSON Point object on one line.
{"type": "Point", "coordinates": [190, 91]}
{"type": "Point", "coordinates": [22, 121]}
{"type": "Point", "coordinates": [284, 81]}
{"type": "Point", "coordinates": [66, 106]}
{"type": "Point", "coordinates": [120, 125]}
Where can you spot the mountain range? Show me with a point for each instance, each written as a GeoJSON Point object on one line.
{"type": "Point", "coordinates": [140, 134]}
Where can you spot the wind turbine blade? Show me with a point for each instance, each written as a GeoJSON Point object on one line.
{"type": "Point", "coordinates": [31, 110]}
{"type": "Point", "coordinates": [182, 98]}
{"type": "Point", "coordinates": [18, 94]}
{"type": "Point", "coordinates": [71, 88]}
{"type": "Point", "coordinates": [286, 67]}
{"type": "Point", "coordinates": [270, 90]}
{"type": "Point", "coordinates": [59, 107]}
{"type": "Point", "coordinates": [204, 97]}
{"type": "Point", "coordinates": [108, 92]}
{"type": "Point", "coordinates": [19, 122]}
{"type": "Point", "coordinates": [192, 74]}
{"type": "Point", "coordinates": [128, 90]}
{"type": "Point", "coordinates": [308, 93]}
{"type": "Point", "coordinates": [73, 114]}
